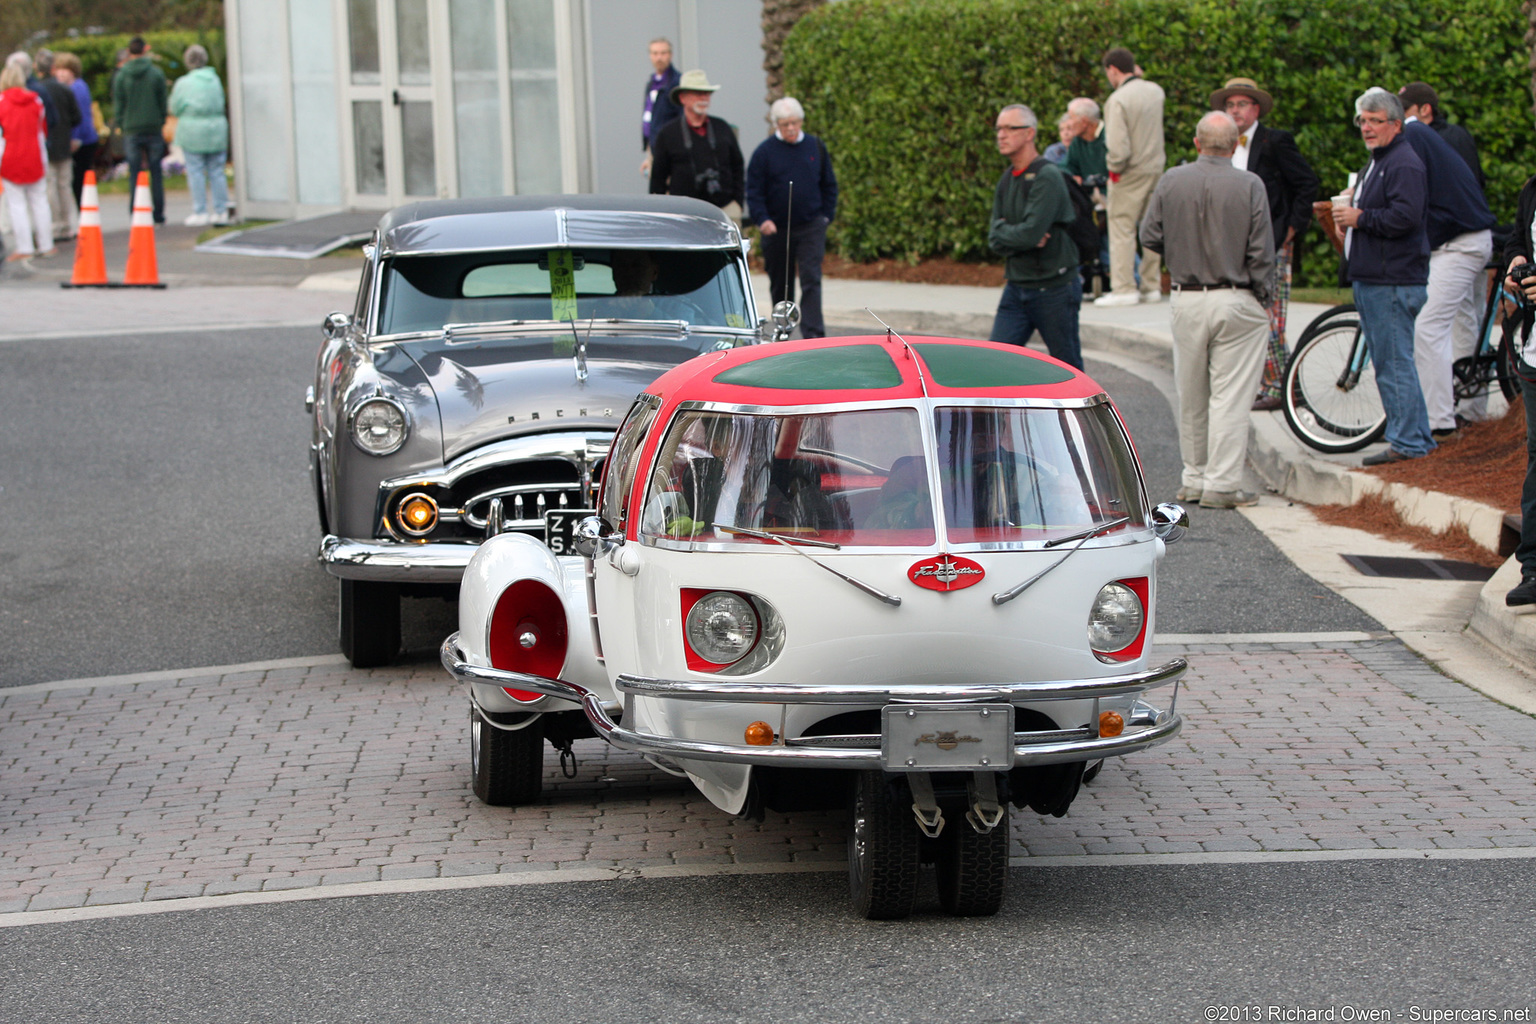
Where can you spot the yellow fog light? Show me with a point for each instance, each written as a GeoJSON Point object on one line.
{"type": "Point", "coordinates": [1111, 724]}
{"type": "Point", "coordinates": [417, 515]}
{"type": "Point", "coordinates": [759, 734]}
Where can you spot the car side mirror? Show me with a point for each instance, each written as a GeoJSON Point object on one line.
{"type": "Point", "coordinates": [593, 536]}
{"type": "Point", "coordinates": [334, 324]}
{"type": "Point", "coordinates": [1169, 521]}
{"type": "Point", "coordinates": [786, 317]}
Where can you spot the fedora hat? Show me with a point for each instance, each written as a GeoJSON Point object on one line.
{"type": "Point", "coordinates": [692, 81]}
{"type": "Point", "coordinates": [1242, 87]}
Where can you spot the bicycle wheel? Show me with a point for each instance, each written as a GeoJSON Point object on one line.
{"type": "Point", "coordinates": [1323, 319]}
{"type": "Point", "coordinates": [1328, 405]}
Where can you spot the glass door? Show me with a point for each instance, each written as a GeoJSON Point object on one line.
{"type": "Point", "coordinates": [390, 102]}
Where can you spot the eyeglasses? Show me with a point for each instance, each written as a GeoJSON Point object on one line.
{"type": "Point", "coordinates": [1014, 127]}
{"type": "Point", "coordinates": [1375, 122]}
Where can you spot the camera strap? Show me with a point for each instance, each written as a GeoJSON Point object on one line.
{"type": "Point", "coordinates": [709, 137]}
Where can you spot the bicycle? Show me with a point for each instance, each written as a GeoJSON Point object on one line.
{"type": "Point", "coordinates": [1329, 390]}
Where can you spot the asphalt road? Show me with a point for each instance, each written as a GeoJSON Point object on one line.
{"type": "Point", "coordinates": [156, 514]}
{"type": "Point", "coordinates": [1072, 944]}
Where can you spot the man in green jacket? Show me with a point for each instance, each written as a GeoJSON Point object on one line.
{"type": "Point", "coordinates": [1030, 215]}
{"type": "Point", "coordinates": [138, 108]}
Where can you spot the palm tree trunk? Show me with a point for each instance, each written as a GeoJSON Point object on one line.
{"type": "Point", "coordinates": [779, 16]}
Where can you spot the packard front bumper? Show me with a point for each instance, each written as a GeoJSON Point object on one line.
{"type": "Point", "coordinates": [1146, 727]}
{"type": "Point", "coordinates": [392, 562]}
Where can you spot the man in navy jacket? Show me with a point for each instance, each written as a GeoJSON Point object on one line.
{"type": "Point", "coordinates": [659, 108]}
{"type": "Point", "coordinates": [789, 157]}
{"type": "Point", "coordinates": [1386, 251]}
{"type": "Point", "coordinates": [1459, 225]}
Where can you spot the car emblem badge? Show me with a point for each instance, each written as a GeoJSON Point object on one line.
{"type": "Point", "coordinates": [945, 573]}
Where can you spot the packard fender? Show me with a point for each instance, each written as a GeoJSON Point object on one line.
{"type": "Point", "coordinates": [523, 609]}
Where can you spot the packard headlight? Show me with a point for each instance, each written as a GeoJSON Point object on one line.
{"type": "Point", "coordinates": [379, 427]}
{"type": "Point", "coordinates": [1115, 621]}
{"type": "Point", "coordinates": [722, 627]}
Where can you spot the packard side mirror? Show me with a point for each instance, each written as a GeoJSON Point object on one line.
{"type": "Point", "coordinates": [786, 317]}
{"type": "Point", "coordinates": [593, 536]}
{"type": "Point", "coordinates": [1169, 521]}
{"type": "Point", "coordinates": [335, 323]}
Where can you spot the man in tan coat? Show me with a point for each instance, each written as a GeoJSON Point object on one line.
{"type": "Point", "coordinates": [1133, 130]}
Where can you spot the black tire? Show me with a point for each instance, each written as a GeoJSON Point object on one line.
{"type": "Point", "coordinates": [1324, 318]}
{"type": "Point", "coordinates": [1093, 771]}
{"type": "Point", "coordinates": [883, 848]}
{"type": "Point", "coordinates": [370, 623]}
{"type": "Point", "coordinates": [507, 767]}
{"type": "Point", "coordinates": [972, 868]}
{"type": "Point", "coordinates": [1509, 352]}
{"type": "Point", "coordinates": [1326, 409]}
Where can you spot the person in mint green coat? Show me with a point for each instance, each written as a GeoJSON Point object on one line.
{"type": "Point", "coordinates": [202, 132]}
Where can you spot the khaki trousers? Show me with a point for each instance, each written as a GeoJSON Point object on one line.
{"type": "Point", "coordinates": [1127, 204]}
{"type": "Point", "coordinates": [1219, 340]}
{"type": "Point", "coordinates": [61, 199]}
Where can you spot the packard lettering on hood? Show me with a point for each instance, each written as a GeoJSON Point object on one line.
{"type": "Point", "coordinates": [475, 385]}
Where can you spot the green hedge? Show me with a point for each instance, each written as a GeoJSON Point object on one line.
{"type": "Point", "coordinates": [98, 57]}
{"type": "Point", "coordinates": [905, 92]}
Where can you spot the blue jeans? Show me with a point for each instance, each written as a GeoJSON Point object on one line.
{"type": "Point", "coordinates": [205, 172]}
{"type": "Point", "coordinates": [1052, 311]}
{"type": "Point", "coordinates": [144, 153]}
{"type": "Point", "coordinates": [1387, 312]}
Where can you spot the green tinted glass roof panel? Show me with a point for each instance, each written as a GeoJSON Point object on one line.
{"type": "Point", "coordinates": [844, 368]}
{"type": "Point", "coordinates": [968, 366]}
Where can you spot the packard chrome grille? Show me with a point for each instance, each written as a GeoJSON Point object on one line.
{"type": "Point", "coordinates": [527, 490]}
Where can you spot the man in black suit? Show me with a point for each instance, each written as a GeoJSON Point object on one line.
{"type": "Point", "coordinates": [1291, 186]}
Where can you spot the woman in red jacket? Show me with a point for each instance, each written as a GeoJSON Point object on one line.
{"type": "Point", "coordinates": [21, 165]}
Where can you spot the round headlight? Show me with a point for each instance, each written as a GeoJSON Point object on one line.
{"type": "Point", "coordinates": [1115, 622]}
{"type": "Point", "coordinates": [378, 426]}
{"type": "Point", "coordinates": [722, 627]}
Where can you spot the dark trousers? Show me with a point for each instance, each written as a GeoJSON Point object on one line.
{"type": "Point", "coordinates": [1052, 311]}
{"type": "Point", "coordinates": [83, 159]}
{"type": "Point", "coordinates": [808, 243]}
{"type": "Point", "coordinates": [1525, 551]}
{"type": "Point", "coordinates": [144, 153]}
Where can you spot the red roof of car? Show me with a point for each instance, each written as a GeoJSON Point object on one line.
{"type": "Point", "coordinates": [870, 368]}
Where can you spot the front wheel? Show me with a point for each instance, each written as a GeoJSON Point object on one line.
{"type": "Point", "coordinates": [1329, 390]}
{"type": "Point", "coordinates": [883, 848]}
{"type": "Point", "coordinates": [972, 867]}
{"type": "Point", "coordinates": [507, 766]}
{"type": "Point", "coordinates": [370, 623]}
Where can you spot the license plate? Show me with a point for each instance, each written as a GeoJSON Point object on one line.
{"type": "Point", "coordinates": [560, 528]}
{"type": "Point", "coordinates": [928, 737]}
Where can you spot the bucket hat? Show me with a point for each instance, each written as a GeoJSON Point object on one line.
{"type": "Point", "coordinates": [1242, 87]}
{"type": "Point", "coordinates": [692, 81]}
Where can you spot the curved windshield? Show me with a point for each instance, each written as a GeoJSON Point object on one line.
{"type": "Point", "coordinates": [842, 478]}
{"type": "Point", "coordinates": [1032, 474]}
{"type": "Point", "coordinates": [703, 288]}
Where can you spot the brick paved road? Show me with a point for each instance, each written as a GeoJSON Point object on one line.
{"type": "Point", "coordinates": [320, 775]}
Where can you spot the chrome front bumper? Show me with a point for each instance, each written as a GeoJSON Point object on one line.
{"type": "Point", "coordinates": [1147, 726]}
{"type": "Point", "coordinates": [386, 561]}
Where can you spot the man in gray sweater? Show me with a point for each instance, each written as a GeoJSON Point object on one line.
{"type": "Point", "coordinates": [1211, 223]}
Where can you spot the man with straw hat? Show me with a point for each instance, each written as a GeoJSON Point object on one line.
{"type": "Point", "coordinates": [1291, 186]}
{"type": "Point", "coordinates": [697, 155]}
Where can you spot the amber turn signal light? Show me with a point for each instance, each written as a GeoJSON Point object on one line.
{"type": "Point", "coordinates": [1111, 724]}
{"type": "Point", "coordinates": [417, 515]}
{"type": "Point", "coordinates": [759, 734]}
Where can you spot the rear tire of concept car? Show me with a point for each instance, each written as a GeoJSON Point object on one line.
{"type": "Point", "coordinates": [508, 767]}
{"type": "Point", "coordinates": [883, 848]}
{"type": "Point", "coordinates": [972, 867]}
{"type": "Point", "coordinates": [370, 623]}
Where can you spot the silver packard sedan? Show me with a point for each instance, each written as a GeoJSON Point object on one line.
{"type": "Point", "coordinates": [476, 385]}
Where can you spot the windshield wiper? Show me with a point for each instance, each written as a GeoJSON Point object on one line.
{"type": "Point", "coordinates": [1081, 538]}
{"type": "Point", "coordinates": [791, 542]}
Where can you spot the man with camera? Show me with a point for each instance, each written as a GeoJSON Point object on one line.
{"type": "Point", "coordinates": [1521, 279]}
{"type": "Point", "coordinates": [697, 155]}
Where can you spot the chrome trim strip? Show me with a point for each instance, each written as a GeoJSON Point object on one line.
{"type": "Point", "coordinates": [923, 404]}
{"type": "Point", "coordinates": [572, 446]}
{"type": "Point", "coordinates": [812, 693]}
{"type": "Point", "coordinates": [1166, 726]}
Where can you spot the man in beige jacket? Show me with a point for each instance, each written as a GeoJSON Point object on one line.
{"type": "Point", "coordinates": [1133, 129]}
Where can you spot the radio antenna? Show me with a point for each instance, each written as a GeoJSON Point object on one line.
{"type": "Point", "coordinates": [917, 364]}
{"type": "Point", "coordinates": [789, 217]}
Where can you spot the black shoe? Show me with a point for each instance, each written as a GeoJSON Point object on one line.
{"type": "Point", "coordinates": [1524, 594]}
{"type": "Point", "coordinates": [1384, 457]}
{"type": "Point", "coordinates": [1445, 434]}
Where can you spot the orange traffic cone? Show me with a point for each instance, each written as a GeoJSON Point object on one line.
{"type": "Point", "coordinates": [90, 255]}
{"type": "Point", "coordinates": [142, 270]}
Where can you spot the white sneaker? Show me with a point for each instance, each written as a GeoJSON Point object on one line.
{"type": "Point", "coordinates": [1151, 297]}
{"type": "Point", "coordinates": [1116, 299]}
{"type": "Point", "coordinates": [196, 220]}
{"type": "Point", "coordinates": [221, 220]}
